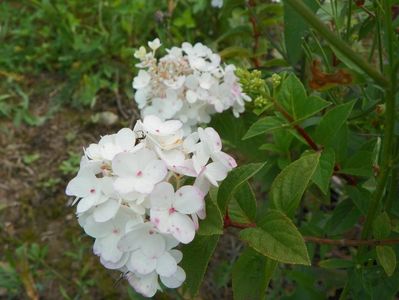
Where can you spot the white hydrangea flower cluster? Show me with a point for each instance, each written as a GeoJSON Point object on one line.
{"type": "Point", "coordinates": [188, 83]}
{"type": "Point", "coordinates": [127, 202]}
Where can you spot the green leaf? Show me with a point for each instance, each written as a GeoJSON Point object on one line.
{"type": "Point", "coordinates": [233, 180]}
{"type": "Point", "coordinates": [344, 217]}
{"type": "Point", "coordinates": [332, 122]}
{"type": "Point", "coordinates": [292, 96]}
{"type": "Point", "coordinates": [242, 207]}
{"type": "Point", "coordinates": [324, 170]}
{"type": "Point", "coordinates": [387, 259]}
{"type": "Point", "coordinates": [295, 28]}
{"type": "Point", "coordinates": [251, 275]}
{"type": "Point", "coordinates": [336, 263]}
{"type": "Point", "coordinates": [213, 223]}
{"type": "Point", "coordinates": [288, 187]}
{"type": "Point", "coordinates": [196, 256]}
{"type": "Point", "coordinates": [360, 197]}
{"type": "Point", "coordinates": [361, 163]}
{"type": "Point", "coordinates": [277, 238]}
{"type": "Point", "coordinates": [382, 226]}
{"type": "Point", "coordinates": [263, 126]}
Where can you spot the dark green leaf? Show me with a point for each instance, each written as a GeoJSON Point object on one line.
{"type": "Point", "coordinates": [277, 238]}
{"type": "Point", "coordinates": [235, 178]}
{"type": "Point", "coordinates": [331, 123]}
{"type": "Point", "coordinates": [196, 256]}
{"type": "Point", "coordinates": [344, 217]}
{"type": "Point", "coordinates": [288, 187]}
{"type": "Point", "coordinates": [295, 28]}
{"type": "Point", "coordinates": [292, 96]}
{"type": "Point", "coordinates": [324, 170]}
{"type": "Point", "coordinates": [242, 207]}
{"type": "Point", "coordinates": [213, 223]}
{"type": "Point", "coordinates": [251, 275]}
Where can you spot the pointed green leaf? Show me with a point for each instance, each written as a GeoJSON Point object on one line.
{"type": "Point", "coordinates": [213, 223]}
{"type": "Point", "coordinates": [387, 258]}
{"type": "Point", "coordinates": [277, 238]}
{"type": "Point", "coordinates": [324, 170]}
{"type": "Point", "coordinates": [251, 275]}
{"type": "Point", "coordinates": [295, 28]}
{"type": "Point", "coordinates": [196, 256]}
{"type": "Point", "coordinates": [242, 207]}
{"type": "Point", "coordinates": [332, 122]}
{"type": "Point", "coordinates": [288, 187]}
{"type": "Point", "coordinates": [263, 125]}
{"type": "Point", "coordinates": [382, 226]}
{"type": "Point", "coordinates": [235, 178]}
{"type": "Point", "coordinates": [292, 96]}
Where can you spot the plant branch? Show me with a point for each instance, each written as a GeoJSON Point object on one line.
{"type": "Point", "coordinates": [349, 243]}
{"type": "Point", "coordinates": [336, 42]}
{"type": "Point", "coordinates": [312, 144]}
{"type": "Point", "coordinates": [319, 240]}
{"type": "Point", "coordinates": [255, 32]}
{"type": "Point", "coordinates": [388, 137]}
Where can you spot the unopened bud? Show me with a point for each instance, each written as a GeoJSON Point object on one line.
{"type": "Point", "coordinates": [276, 80]}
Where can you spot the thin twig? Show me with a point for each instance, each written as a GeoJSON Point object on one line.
{"type": "Point", "coordinates": [255, 32]}
{"type": "Point", "coordinates": [323, 241]}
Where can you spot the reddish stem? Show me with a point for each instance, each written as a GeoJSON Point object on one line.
{"type": "Point", "coordinates": [318, 240]}
{"type": "Point", "coordinates": [312, 144]}
{"type": "Point", "coordinates": [255, 33]}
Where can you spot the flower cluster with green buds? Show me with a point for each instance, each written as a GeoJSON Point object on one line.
{"type": "Point", "coordinates": [255, 86]}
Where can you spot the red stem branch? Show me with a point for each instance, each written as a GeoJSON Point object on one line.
{"type": "Point", "coordinates": [322, 241]}
{"type": "Point", "coordinates": [255, 32]}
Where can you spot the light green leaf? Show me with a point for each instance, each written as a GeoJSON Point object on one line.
{"type": "Point", "coordinates": [277, 238]}
{"type": "Point", "coordinates": [387, 258]}
{"type": "Point", "coordinates": [324, 170]}
{"type": "Point", "coordinates": [382, 226]}
{"type": "Point", "coordinates": [235, 178]}
{"type": "Point", "coordinates": [196, 256]}
{"type": "Point", "coordinates": [251, 275]}
{"type": "Point", "coordinates": [336, 263]}
{"type": "Point", "coordinates": [332, 122]}
{"type": "Point", "coordinates": [288, 187]}
{"type": "Point", "coordinates": [264, 125]}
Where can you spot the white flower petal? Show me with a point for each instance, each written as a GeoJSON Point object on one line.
{"type": "Point", "coordinates": [175, 280]}
{"type": "Point", "coordinates": [188, 199]}
{"type": "Point", "coordinates": [139, 263]}
{"type": "Point", "coordinates": [153, 245]}
{"type": "Point", "coordinates": [162, 196]}
{"type": "Point", "coordinates": [166, 265]}
{"type": "Point", "coordinates": [181, 227]}
{"type": "Point", "coordinates": [106, 210]}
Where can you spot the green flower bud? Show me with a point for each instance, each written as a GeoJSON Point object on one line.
{"type": "Point", "coordinates": [276, 80]}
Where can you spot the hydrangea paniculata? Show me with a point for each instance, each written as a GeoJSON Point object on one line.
{"type": "Point", "coordinates": [188, 84]}
{"type": "Point", "coordinates": [132, 197]}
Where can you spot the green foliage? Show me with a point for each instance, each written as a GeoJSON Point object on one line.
{"type": "Point", "coordinates": [387, 258]}
{"type": "Point", "coordinates": [251, 275]}
{"type": "Point", "coordinates": [293, 98]}
{"type": "Point", "coordinates": [277, 238]}
{"type": "Point", "coordinates": [288, 187]}
{"type": "Point", "coordinates": [196, 256]}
